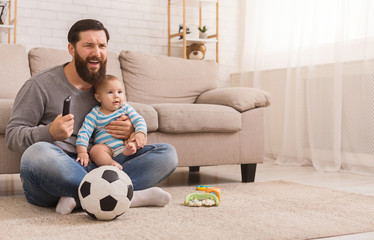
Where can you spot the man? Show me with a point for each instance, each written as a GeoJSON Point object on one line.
{"type": "Point", "coordinates": [49, 172]}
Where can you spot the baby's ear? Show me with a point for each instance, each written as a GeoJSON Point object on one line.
{"type": "Point", "coordinates": [97, 97]}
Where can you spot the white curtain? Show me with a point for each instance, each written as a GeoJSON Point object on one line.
{"type": "Point", "coordinates": [316, 58]}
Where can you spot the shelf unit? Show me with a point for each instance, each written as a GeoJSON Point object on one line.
{"type": "Point", "coordinates": [214, 38]}
{"type": "Point", "coordinates": [12, 21]}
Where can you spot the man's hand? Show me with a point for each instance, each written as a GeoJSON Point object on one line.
{"type": "Point", "coordinates": [121, 128]}
{"type": "Point", "coordinates": [62, 127]}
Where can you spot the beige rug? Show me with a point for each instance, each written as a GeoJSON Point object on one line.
{"type": "Point", "coordinates": [271, 210]}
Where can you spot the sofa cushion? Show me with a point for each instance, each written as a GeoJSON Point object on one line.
{"type": "Point", "coordinates": [240, 98]}
{"type": "Point", "coordinates": [148, 113]}
{"type": "Point", "coordinates": [197, 118]}
{"type": "Point", "coordinates": [14, 69]}
{"type": "Point", "coordinates": [43, 58]}
{"type": "Point", "coordinates": [160, 79]}
{"type": "Point", "coordinates": [5, 111]}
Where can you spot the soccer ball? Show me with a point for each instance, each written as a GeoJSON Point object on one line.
{"type": "Point", "coordinates": [105, 193]}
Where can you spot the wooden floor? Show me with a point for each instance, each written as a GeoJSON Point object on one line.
{"type": "Point", "coordinates": [11, 185]}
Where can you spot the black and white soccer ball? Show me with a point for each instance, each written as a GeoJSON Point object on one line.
{"type": "Point", "coordinates": [105, 193]}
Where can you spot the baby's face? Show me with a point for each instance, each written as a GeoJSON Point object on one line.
{"type": "Point", "coordinates": [111, 95]}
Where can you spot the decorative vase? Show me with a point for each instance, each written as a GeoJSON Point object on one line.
{"type": "Point", "coordinates": [203, 35]}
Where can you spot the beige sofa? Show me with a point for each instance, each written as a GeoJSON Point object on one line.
{"type": "Point", "coordinates": [178, 98]}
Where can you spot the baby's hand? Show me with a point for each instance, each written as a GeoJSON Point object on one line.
{"type": "Point", "coordinates": [83, 158]}
{"type": "Point", "coordinates": [140, 139]}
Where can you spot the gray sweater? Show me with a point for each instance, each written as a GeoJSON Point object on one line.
{"type": "Point", "coordinates": [38, 103]}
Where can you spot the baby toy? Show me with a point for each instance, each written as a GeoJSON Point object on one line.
{"type": "Point", "coordinates": [211, 197]}
{"type": "Point", "coordinates": [181, 30]}
{"type": "Point", "coordinates": [196, 51]}
{"type": "Point", "coordinates": [203, 187]}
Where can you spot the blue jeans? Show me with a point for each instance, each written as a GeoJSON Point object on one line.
{"type": "Point", "coordinates": [48, 173]}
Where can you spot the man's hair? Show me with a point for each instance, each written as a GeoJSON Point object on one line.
{"type": "Point", "coordinates": [85, 25]}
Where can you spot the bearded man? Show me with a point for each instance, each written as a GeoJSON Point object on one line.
{"type": "Point", "coordinates": [49, 173]}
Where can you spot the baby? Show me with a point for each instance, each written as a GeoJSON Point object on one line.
{"type": "Point", "coordinates": [109, 93]}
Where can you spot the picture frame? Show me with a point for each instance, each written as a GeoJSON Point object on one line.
{"type": "Point", "coordinates": [3, 11]}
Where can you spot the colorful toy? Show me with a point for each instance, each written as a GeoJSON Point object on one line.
{"type": "Point", "coordinates": [211, 197]}
{"type": "Point", "coordinates": [214, 190]}
{"type": "Point", "coordinates": [203, 187]}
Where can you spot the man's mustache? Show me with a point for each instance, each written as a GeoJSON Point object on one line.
{"type": "Point", "coordinates": [99, 59]}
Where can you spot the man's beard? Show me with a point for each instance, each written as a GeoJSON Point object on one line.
{"type": "Point", "coordinates": [92, 77]}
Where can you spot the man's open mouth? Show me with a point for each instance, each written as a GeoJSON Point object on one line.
{"type": "Point", "coordinates": [93, 62]}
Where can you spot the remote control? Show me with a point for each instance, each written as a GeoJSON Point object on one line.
{"type": "Point", "coordinates": [66, 108]}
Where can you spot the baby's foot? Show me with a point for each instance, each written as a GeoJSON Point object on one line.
{"type": "Point", "coordinates": [130, 149]}
{"type": "Point", "coordinates": [116, 164]}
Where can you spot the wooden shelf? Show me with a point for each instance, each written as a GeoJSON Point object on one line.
{"type": "Point", "coordinates": [199, 40]}
{"type": "Point", "coordinates": [185, 41]}
{"type": "Point", "coordinates": [6, 28]}
{"type": "Point", "coordinates": [190, 41]}
{"type": "Point", "coordinates": [194, 3]}
{"type": "Point", "coordinates": [12, 20]}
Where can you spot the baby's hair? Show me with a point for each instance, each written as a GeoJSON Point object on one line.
{"type": "Point", "coordinates": [110, 77]}
{"type": "Point", "coordinates": [107, 77]}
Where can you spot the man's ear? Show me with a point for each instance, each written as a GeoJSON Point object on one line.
{"type": "Point", "coordinates": [71, 49]}
{"type": "Point", "coordinates": [97, 97]}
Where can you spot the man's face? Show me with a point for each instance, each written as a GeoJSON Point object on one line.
{"type": "Point", "coordinates": [90, 56]}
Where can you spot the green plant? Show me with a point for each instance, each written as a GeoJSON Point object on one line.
{"type": "Point", "coordinates": [203, 30]}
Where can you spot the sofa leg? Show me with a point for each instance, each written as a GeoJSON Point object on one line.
{"type": "Point", "coordinates": [194, 169]}
{"type": "Point", "coordinates": [248, 172]}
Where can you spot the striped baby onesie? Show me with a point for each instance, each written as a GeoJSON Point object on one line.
{"type": "Point", "coordinates": [95, 122]}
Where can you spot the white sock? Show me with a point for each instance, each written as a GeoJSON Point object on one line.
{"type": "Point", "coordinates": [154, 196]}
{"type": "Point", "coordinates": [65, 205]}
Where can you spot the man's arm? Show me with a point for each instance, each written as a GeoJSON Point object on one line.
{"type": "Point", "coordinates": [28, 123]}
{"type": "Point", "coordinates": [23, 128]}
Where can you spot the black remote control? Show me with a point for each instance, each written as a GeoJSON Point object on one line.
{"type": "Point", "coordinates": [66, 108]}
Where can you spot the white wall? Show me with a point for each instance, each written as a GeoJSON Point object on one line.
{"type": "Point", "coordinates": [138, 25]}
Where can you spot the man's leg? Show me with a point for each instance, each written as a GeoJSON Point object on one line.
{"type": "Point", "coordinates": [53, 175]}
{"type": "Point", "coordinates": [146, 168]}
{"type": "Point", "coordinates": [153, 196]}
{"type": "Point", "coordinates": [149, 165]}
{"type": "Point", "coordinates": [48, 173]}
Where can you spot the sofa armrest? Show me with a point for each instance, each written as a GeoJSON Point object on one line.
{"type": "Point", "coordinates": [239, 98]}
{"type": "Point", "coordinates": [6, 106]}
{"type": "Point", "coordinates": [148, 113]}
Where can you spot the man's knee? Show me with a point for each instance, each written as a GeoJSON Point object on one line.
{"type": "Point", "coordinates": [171, 154]}
{"type": "Point", "coordinates": [41, 155]}
{"type": "Point", "coordinates": [35, 152]}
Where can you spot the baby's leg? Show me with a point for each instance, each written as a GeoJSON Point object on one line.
{"type": "Point", "coordinates": [130, 149]}
{"type": "Point", "coordinates": [130, 139]}
{"type": "Point", "coordinates": [130, 146]}
{"type": "Point", "coordinates": [102, 155]}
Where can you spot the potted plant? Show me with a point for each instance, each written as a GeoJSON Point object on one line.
{"type": "Point", "coordinates": [202, 32]}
